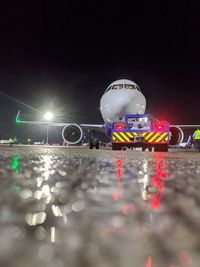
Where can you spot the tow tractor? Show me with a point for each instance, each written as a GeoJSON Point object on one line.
{"type": "Point", "coordinates": [140, 130]}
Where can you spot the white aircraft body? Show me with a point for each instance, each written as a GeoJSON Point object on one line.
{"type": "Point", "coordinates": [6, 141]}
{"type": "Point", "coordinates": [121, 97]}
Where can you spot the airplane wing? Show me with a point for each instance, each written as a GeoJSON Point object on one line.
{"type": "Point", "coordinates": [97, 127]}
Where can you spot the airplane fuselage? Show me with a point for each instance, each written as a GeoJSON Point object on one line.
{"type": "Point", "coordinates": [120, 98]}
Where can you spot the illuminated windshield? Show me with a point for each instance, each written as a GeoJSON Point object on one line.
{"type": "Point", "coordinates": [117, 86]}
{"type": "Point", "coordinates": [138, 123]}
{"type": "Point", "coordinates": [144, 119]}
{"type": "Point", "coordinates": [130, 86]}
{"type": "Point", "coordinates": [123, 86]}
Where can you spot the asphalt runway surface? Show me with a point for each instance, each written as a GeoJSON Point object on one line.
{"type": "Point", "coordinates": [99, 208]}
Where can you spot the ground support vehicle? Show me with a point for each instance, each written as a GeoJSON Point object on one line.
{"type": "Point", "coordinates": [140, 130]}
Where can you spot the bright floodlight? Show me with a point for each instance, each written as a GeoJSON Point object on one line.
{"type": "Point", "coordinates": [48, 116]}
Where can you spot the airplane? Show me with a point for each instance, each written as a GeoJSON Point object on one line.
{"type": "Point", "coordinates": [185, 145]}
{"type": "Point", "coordinates": [120, 97]}
{"type": "Point", "coordinates": [7, 141]}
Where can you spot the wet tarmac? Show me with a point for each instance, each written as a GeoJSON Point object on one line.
{"type": "Point", "coordinates": [99, 208]}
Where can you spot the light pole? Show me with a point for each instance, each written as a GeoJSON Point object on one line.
{"type": "Point", "coordinates": [48, 116]}
{"type": "Point", "coordinates": [47, 142]}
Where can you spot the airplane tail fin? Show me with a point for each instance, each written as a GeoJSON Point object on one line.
{"type": "Point", "coordinates": [189, 140]}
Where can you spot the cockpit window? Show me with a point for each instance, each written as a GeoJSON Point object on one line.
{"type": "Point", "coordinates": [130, 86]}
{"type": "Point", "coordinates": [117, 86]}
{"type": "Point", "coordinates": [123, 86]}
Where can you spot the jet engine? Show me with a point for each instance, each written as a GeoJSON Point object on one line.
{"type": "Point", "coordinates": [72, 134]}
{"type": "Point", "coordinates": [177, 135]}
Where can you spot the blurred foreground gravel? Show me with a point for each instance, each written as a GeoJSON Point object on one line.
{"type": "Point", "coordinates": [99, 208]}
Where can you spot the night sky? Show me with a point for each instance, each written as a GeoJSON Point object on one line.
{"type": "Point", "coordinates": [61, 55]}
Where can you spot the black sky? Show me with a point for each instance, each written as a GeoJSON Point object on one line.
{"type": "Point", "coordinates": [63, 54]}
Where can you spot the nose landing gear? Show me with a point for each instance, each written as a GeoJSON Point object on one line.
{"type": "Point", "coordinates": [94, 144]}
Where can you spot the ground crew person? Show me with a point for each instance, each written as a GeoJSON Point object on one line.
{"type": "Point", "coordinates": [196, 137]}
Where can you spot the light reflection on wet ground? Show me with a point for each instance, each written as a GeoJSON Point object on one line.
{"type": "Point", "coordinates": [78, 207]}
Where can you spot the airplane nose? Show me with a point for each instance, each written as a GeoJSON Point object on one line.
{"type": "Point", "coordinates": [117, 103]}
{"type": "Point", "coordinates": [124, 97]}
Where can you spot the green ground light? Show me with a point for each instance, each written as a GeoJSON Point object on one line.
{"type": "Point", "coordinates": [16, 164]}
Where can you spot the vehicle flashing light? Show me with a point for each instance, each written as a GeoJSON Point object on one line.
{"type": "Point", "coordinates": [119, 126]}
{"type": "Point", "coordinates": [160, 126]}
